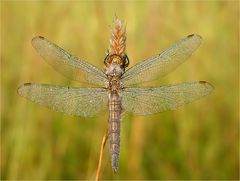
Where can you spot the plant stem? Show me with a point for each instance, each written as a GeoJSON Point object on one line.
{"type": "Point", "coordinates": [104, 140]}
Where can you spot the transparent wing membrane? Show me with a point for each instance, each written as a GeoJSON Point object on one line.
{"type": "Point", "coordinates": [159, 65]}
{"type": "Point", "coordinates": [144, 101]}
{"type": "Point", "coordinates": [73, 101]}
{"type": "Point", "coordinates": [89, 101]}
{"type": "Point", "coordinates": [67, 64]}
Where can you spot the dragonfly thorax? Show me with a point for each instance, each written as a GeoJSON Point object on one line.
{"type": "Point", "coordinates": [114, 70]}
{"type": "Point", "coordinates": [114, 84]}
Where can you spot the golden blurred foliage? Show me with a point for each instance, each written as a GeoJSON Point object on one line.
{"type": "Point", "coordinates": [198, 141]}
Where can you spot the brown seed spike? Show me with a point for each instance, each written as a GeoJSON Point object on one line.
{"type": "Point", "coordinates": [118, 38]}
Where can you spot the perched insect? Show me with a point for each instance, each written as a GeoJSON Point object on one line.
{"type": "Point", "coordinates": [116, 88]}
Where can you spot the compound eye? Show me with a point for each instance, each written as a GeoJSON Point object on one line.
{"type": "Point", "coordinates": [107, 60]}
{"type": "Point", "coordinates": [120, 62]}
{"type": "Point", "coordinates": [126, 60]}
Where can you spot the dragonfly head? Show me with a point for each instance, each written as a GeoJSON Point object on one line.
{"type": "Point", "coordinates": [115, 62]}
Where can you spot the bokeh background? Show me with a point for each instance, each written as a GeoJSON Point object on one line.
{"type": "Point", "coordinates": [197, 141]}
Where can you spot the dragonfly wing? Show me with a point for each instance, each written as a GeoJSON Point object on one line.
{"type": "Point", "coordinates": [67, 64]}
{"type": "Point", "coordinates": [160, 65]}
{"type": "Point", "coordinates": [145, 101]}
{"type": "Point", "coordinates": [73, 101]}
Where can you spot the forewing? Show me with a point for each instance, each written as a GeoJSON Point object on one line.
{"type": "Point", "coordinates": [67, 64]}
{"type": "Point", "coordinates": [72, 101]}
{"type": "Point", "coordinates": [160, 65]}
{"type": "Point", "coordinates": [145, 101]}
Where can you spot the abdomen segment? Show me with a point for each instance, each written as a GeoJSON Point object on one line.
{"type": "Point", "coordinates": [115, 110]}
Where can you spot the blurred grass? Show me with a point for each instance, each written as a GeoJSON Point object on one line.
{"type": "Point", "coordinates": [198, 141]}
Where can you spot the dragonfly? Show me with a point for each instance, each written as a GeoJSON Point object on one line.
{"type": "Point", "coordinates": [115, 87]}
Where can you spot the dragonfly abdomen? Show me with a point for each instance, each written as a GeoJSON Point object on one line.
{"type": "Point", "coordinates": [115, 110]}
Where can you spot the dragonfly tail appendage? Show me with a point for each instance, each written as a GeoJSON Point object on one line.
{"type": "Point", "coordinates": [114, 129]}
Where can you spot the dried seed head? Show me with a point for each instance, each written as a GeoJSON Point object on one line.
{"type": "Point", "coordinates": [118, 38]}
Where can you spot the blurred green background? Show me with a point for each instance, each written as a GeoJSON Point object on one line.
{"type": "Point", "coordinates": [197, 141]}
